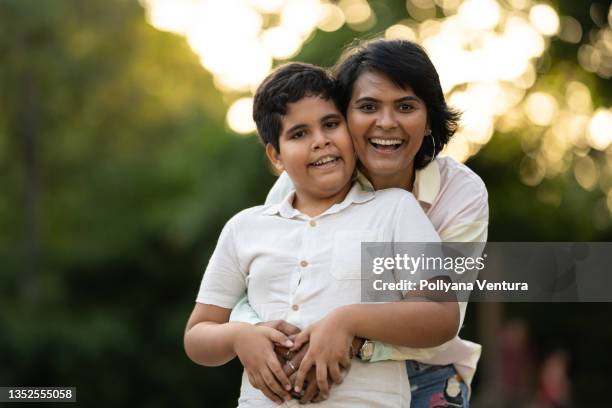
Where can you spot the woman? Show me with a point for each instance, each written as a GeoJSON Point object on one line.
{"type": "Point", "coordinates": [399, 122]}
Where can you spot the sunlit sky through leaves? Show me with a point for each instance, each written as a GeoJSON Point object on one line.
{"type": "Point", "coordinates": [486, 52]}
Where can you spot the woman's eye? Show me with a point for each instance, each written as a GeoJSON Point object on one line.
{"type": "Point", "coordinates": [368, 107]}
{"type": "Point", "coordinates": [298, 135]}
{"type": "Point", "coordinates": [332, 124]}
{"type": "Point", "coordinates": [404, 107]}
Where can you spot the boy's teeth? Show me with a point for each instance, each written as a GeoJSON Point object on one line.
{"type": "Point", "coordinates": [386, 142]}
{"type": "Point", "coordinates": [324, 160]}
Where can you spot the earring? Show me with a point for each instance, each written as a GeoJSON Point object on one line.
{"type": "Point", "coordinates": [433, 144]}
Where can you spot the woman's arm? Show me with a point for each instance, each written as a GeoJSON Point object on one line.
{"type": "Point", "coordinates": [400, 323]}
{"type": "Point", "coordinates": [414, 323]}
{"type": "Point", "coordinates": [468, 223]}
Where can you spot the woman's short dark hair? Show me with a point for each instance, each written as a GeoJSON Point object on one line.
{"type": "Point", "coordinates": [406, 64]}
{"type": "Point", "coordinates": [288, 84]}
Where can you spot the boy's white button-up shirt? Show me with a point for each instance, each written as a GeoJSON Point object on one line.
{"type": "Point", "coordinates": [456, 202]}
{"type": "Point", "coordinates": [298, 269]}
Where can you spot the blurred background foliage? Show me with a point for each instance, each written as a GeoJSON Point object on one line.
{"type": "Point", "coordinates": [119, 165]}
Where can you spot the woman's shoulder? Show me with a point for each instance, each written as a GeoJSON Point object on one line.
{"type": "Point", "coordinates": [457, 176]}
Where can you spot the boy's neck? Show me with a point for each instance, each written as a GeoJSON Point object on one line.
{"type": "Point", "coordinates": [313, 206]}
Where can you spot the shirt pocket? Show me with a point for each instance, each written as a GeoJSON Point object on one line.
{"type": "Point", "coordinates": [346, 253]}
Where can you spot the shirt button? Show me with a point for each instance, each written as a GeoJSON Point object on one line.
{"type": "Point", "coordinates": [313, 223]}
{"type": "Point", "coordinates": [303, 264]}
{"type": "Point", "coordinates": [295, 307]}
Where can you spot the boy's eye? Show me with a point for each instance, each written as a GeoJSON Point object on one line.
{"type": "Point", "coordinates": [332, 124]}
{"type": "Point", "coordinates": [299, 134]}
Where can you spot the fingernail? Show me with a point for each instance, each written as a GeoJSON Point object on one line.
{"type": "Point", "coordinates": [288, 387]}
{"type": "Point", "coordinates": [289, 343]}
{"type": "Point", "coordinates": [297, 389]}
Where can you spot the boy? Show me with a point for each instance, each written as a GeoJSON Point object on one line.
{"type": "Point", "coordinates": [300, 259]}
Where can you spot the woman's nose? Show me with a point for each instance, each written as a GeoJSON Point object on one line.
{"type": "Point", "coordinates": [386, 120]}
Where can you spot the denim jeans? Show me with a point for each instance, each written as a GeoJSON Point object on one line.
{"type": "Point", "coordinates": [436, 386]}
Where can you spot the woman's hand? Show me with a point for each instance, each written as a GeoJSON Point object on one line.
{"type": "Point", "coordinates": [282, 326]}
{"type": "Point", "coordinates": [254, 346]}
{"type": "Point", "coordinates": [330, 343]}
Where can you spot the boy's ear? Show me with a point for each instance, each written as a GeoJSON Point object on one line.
{"type": "Point", "coordinates": [274, 158]}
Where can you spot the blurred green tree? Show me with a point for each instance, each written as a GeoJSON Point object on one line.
{"type": "Point", "coordinates": [118, 173]}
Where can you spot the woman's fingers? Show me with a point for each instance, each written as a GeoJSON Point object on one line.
{"type": "Point", "coordinates": [300, 340]}
{"type": "Point", "coordinates": [296, 360]}
{"type": "Point", "coordinates": [282, 326]}
{"type": "Point", "coordinates": [287, 328]}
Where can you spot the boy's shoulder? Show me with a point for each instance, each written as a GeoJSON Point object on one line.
{"type": "Point", "coordinates": [249, 215]}
{"type": "Point", "coordinates": [393, 195]}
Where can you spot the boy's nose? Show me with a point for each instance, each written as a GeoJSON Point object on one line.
{"type": "Point", "coordinates": [320, 141]}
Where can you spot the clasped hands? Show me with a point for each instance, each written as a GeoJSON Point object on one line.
{"type": "Point", "coordinates": [299, 364]}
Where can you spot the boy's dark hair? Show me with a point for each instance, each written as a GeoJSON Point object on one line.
{"type": "Point", "coordinates": [287, 84]}
{"type": "Point", "coordinates": [406, 64]}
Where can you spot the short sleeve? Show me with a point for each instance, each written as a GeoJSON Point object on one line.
{"type": "Point", "coordinates": [465, 205]}
{"type": "Point", "coordinates": [224, 281]}
{"type": "Point", "coordinates": [469, 220]}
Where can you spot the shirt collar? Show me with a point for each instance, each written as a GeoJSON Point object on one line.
{"type": "Point", "coordinates": [426, 183]}
{"type": "Point", "coordinates": [356, 195]}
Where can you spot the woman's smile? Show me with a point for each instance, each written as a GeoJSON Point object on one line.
{"type": "Point", "coordinates": [387, 124]}
{"type": "Point", "coordinates": [386, 145]}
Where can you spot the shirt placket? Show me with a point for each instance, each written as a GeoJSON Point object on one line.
{"type": "Point", "coordinates": [306, 253]}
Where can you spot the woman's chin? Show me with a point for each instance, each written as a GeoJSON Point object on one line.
{"type": "Point", "coordinates": [384, 167]}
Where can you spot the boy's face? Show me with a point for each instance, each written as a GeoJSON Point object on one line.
{"type": "Point", "coordinates": [315, 147]}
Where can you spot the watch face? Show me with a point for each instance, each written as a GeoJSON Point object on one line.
{"type": "Point", "coordinates": [367, 350]}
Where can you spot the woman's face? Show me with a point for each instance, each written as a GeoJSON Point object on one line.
{"type": "Point", "coordinates": [387, 124]}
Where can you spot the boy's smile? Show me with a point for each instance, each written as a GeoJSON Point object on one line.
{"type": "Point", "coordinates": [315, 149]}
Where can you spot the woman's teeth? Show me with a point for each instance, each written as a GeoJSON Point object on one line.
{"type": "Point", "coordinates": [325, 160]}
{"type": "Point", "coordinates": [386, 144]}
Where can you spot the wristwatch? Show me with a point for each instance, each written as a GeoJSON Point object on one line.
{"type": "Point", "coordinates": [366, 351]}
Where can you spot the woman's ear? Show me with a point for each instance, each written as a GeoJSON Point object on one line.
{"type": "Point", "coordinates": [274, 157]}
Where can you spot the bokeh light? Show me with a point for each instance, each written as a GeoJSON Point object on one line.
{"type": "Point", "coordinates": [486, 51]}
{"type": "Point", "coordinates": [240, 116]}
{"type": "Point", "coordinates": [545, 19]}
